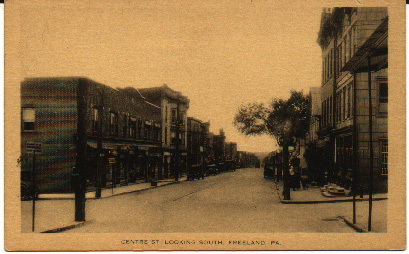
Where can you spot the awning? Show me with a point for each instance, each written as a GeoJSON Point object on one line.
{"type": "Point", "coordinates": [106, 146]}
{"type": "Point", "coordinates": [377, 46]}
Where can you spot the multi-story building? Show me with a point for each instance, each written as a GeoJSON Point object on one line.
{"type": "Point", "coordinates": [174, 107]}
{"type": "Point", "coordinates": [87, 128]}
{"type": "Point", "coordinates": [315, 109]}
{"type": "Point", "coordinates": [219, 146]}
{"type": "Point", "coordinates": [348, 38]}
{"type": "Point", "coordinates": [195, 141]}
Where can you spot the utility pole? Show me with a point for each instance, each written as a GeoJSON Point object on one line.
{"type": "Point", "coordinates": [81, 145]}
{"type": "Point", "coordinates": [334, 103]}
{"type": "Point", "coordinates": [286, 192]}
{"type": "Point", "coordinates": [34, 189]}
{"type": "Point", "coordinates": [99, 152]}
{"type": "Point", "coordinates": [355, 154]}
{"type": "Point", "coordinates": [370, 144]}
{"type": "Point", "coordinates": [177, 141]}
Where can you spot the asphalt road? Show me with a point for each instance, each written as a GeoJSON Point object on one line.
{"type": "Point", "coordinates": [233, 202]}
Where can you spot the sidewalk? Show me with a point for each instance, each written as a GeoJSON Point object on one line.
{"type": "Point", "coordinates": [313, 195]}
{"type": "Point", "coordinates": [55, 212]}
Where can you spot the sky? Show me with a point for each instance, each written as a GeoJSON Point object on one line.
{"type": "Point", "coordinates": [219, 54]}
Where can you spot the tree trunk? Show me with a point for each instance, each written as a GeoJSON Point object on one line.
{"type": "Point", "coordinates": [286, 192]}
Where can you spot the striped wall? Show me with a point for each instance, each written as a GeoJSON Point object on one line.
{"type": "Point", "coordinates": [55, 103]}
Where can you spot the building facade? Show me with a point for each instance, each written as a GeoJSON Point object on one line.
{"type": "Point", "coordinates": [344, 125]}
{"type": "Point", "coordinates": [110, 137]}
{"type": "Point", "coordinates": [174, 107]}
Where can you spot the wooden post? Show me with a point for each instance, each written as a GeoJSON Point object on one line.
{"type": "Point", "coordinates": [34, 188]}
{"type": "Point", "coordinates": [370, 145]}
{"type": "Point", "coordinates": [355, 153]}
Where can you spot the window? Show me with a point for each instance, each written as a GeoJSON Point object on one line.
{"type": "Point", "coordinates": [349, 108]}
{"type": "Point", "coordinates": [344, 61]}
{"type": "Point", "coordinates": [383, 97]}
{"type": "Point", "coordinates": [166, 135]}
{"type": "Point", "coordinates": [132, 127]}
{"type": "Point", "coordinates": [343, 103]}
{"type": "Point", "coordinates": [113, 123]}
{"type": "Point", "coordinates": [324, 114]}
{"type": "Point", "coordinates": [383, 92]}
{"type": "Point", "coordinates": [350, 43]}
{"type": "Point", "coordinates": [354, 47]}
{"type": "Point", "coordinates": [139, 129]}
{"type": "Point", "coordinates": [182, 118]}
{"type": "Point", "coordinates": [125, 127]}
{"type": "Point", "coordinates": [331, 63]}
{"type": "Point", "coordinates": [147, 130]}
{"type": "Point", "coordinates": [28, 119]}
{"type": "Point", "coordinates": [330, 110]}
{"type": "Point", "coordinates": [384, 157]}
{"type": "Point", "coordinates": [174, 116]}
{"type": "Point", "coordinates": [94, 124]}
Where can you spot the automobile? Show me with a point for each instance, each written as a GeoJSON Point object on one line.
{"type": "Point", "coordinates": [26, 186]}
{"type": "Point", "coordinates": [268, 170]}
{"type": "Point", "coordinates": [212, 170]}
{"type": "Point", "coordinates": [230, 165]}
{"type": "Point", "coordinates": [195, 171]}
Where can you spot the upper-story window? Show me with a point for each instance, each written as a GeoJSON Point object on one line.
{"type": "Point", "coordinates": [174, 116]}
{"type": "Point", "coordinates": [147, 130]}
{"type": "Point", "coordinates": [349, 106]}
{"type": "Point", "coordinates": [383, 97]}
{"type": "Point", "coordinates": [182, 118]}
{"type": "Point", "coordinates": [95, 118]}
{"type": "Point", "coordinates": [125, 126]}
{"type": "Point", "coordinates": [28, 120]}
{"type": "Point", "coordinates": [113, 123]}
{"type": "Point", "coordinates": [132, 127]}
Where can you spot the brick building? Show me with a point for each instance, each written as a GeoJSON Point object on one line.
{"type": "Point", "coordinates": [103, 133]}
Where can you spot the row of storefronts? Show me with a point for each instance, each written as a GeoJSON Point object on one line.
{"type": "Point", "coordinates": [111, 137]}
{"type": "Point", "coordinates": [348, 132]}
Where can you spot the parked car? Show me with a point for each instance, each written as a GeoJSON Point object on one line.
{"type": "Point", "coordinates": [268, 170]}
{"type": "Point", "coordinates": [212, 170]}
{"type": "Point", "coordinates": [195, 171]}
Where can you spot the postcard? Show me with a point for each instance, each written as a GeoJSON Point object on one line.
{"type": "Point", "coordinates": [204, 125]}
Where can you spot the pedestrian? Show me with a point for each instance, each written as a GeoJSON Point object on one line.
{"type": "Point", "coordinates": [292, 177]}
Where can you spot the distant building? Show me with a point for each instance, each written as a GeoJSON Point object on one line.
{"type": "Point", "coordinates": [219, 146]}
{"type": "Point", "coordinates": [174, 107]}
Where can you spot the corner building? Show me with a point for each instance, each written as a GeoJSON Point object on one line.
{"type": "Point", "coordinates": [348, 38]}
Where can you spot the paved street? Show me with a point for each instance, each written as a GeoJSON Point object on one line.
{"type": "Point", "coordinates": [241, 201]}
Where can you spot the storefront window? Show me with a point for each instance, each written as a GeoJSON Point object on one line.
{"type": "Point", "coordinates": [384, 157]}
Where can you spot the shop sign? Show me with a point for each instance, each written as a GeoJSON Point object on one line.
{"type": "Point", "coordinates": [32, 147]}
{"type": "Point", "coordinates": [111, 160]}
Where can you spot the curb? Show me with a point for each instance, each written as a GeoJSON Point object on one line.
{"type": "Point", "coordinates": [115, 194]}
{"type": "Point", "coordinates": [134, 191]}
{"type": "Point", "coordinates": [327, 201]}
{"type": "Point", "coordinates": [62, 229]}
{"type": "Point", "coordinates": [352, 225]}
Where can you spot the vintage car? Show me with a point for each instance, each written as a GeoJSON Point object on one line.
{"type": "Point", "coordinates": [212, 170]}
{"type": "Point", "coordinates": [195, 171]}
{"type": "Point", "coordinates": [268, 170]}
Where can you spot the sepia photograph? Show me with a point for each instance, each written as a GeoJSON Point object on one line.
{"type": "Point", "coordinates": [204, 125]}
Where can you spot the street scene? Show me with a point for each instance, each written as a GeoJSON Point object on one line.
{"type": "Point", "coordinates": [203, 136]}
{"type": "Point", "coordinates": [230, 202]}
